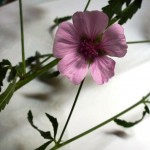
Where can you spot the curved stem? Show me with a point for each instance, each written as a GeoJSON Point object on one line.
{"type": "Point", "coordinates": [103, 123]}
{"type": "Point", "coordinates": [87, 5]}
{"type": "Point", "coordinates": [71, 111]}
{"type": "Point", "coordinates": [22, 38]}
{"type": "Point", "coordinates": [138, 42]}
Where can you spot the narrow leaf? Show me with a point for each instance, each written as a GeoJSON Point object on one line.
{"type": "Point", "coordinates": [4, 66]}
{"type": "Point", "coordinates": [131, 124]}
{"type": "Point", "coordinates": [3, 72]}
{"type": "Point", "coordinates": [132, 9]}
{"type": "Point", "coordinates": [43, 147]}
{"type": "Point", "coordinates": [7, 94]}
{"type": "Point", "coordinates": [147, 109]}
{"type": "Point", "coordinates": [57, 21]}
{"type": "Point", "coordinates": [54, 123]}
{"type": "Point", "coordinates": [116, 9]}
{"type": "Point", "coordinates": [62, 19]}
{"type": "Point", "coordinates": [46, 135]}
{"type": "Point", "coordinates": [12, 74]}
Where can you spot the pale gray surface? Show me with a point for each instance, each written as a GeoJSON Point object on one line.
{"type": "Point", "coordinates": [96, 103]}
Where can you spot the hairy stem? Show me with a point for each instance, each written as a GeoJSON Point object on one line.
{"type": "Point", "coordinates": [22, 38]}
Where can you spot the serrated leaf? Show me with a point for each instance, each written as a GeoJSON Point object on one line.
{"type": "Point", "coordinates": [61, 19]}
{"type": "Point", "coordinates": [54, 123]}
{"type": "Point", "coordinates": [3, 72]}
{"type": "Point", "coordinates": [43, 147]}
{"type": "Point", "coordinates": [46, 135]}
{"type": "Point", "coordinates": [57, 21]}
{"type": "Point", "coordinates": [132, 9]}
{"type": "Point", "coordinates": [131, 124]}
{"type": "Point", "coordinates": [147, 109]}
{"type": "Point", "coordinates": [128, 2]}
{"type": "Point", "coordinates": [115, 7]}
{"type": "Point", "coordinates": [12, 74]}
{"type": "Point", "coordinates": [5, 62]}
{"type": "Point", "coordinates": [4, 66]}
{"type": "Point", "coordinates": [7, 94]}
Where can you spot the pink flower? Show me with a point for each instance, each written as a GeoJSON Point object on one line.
{"type": "Point", "coordinates": [87, 43]}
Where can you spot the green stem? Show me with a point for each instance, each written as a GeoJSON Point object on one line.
{"type": "Point", "coordinates": [46, 55]}
{"type": "Point", "coordinates": [71, 111]}
{"type": "Point", "coordinates": [76, 98]}
{"type": "Point", "coordinates": [139, 42]}
{"type": "Point", "coordinates": [42, 56]}
{"type": "Point", "coordinates": [29, 78]}
{"type": "Point", "coordinates": [87, 5]}
{"type": "Point", "coordinates": [22, 37]}
{"type": "Point", "coordinates": [103, 123]}
{"type": "Point", "coordinates": [42, 62]}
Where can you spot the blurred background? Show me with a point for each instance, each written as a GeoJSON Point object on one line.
{"type": "Point", "coordinates": [96, 103]}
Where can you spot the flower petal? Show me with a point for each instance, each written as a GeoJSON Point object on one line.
{"type": "Point", "coordinates": [74, 67]}
{"type": "Point", "coordinates": [102, 69]}
{"type": "Point", "coordinates": [90, 24]}
{"type": "Point", "coordinates": [66, 40]}
{"type": "Point", "coordinates": [114, 42]}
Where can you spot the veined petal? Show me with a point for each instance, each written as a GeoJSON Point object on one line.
{"type": "Point", "coordinates": [114, 42]}
{"type": "Point", "coordinates": [102, 69]}
{"type": "Point", "coordinates": [90, 24]}
{"type": "Point", "coordinates": [66, 40]}
{"type": "Point", "coordinates": [74, 67]}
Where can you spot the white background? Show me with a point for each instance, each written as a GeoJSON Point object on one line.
{"type": "Point", "coordinates": [96, 102]}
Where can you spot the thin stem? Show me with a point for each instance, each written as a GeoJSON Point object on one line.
{"type": "Point", "coordinates": [45, 60]}
{"type": "Point", "coordinates": [139, 42]}
{"type": "Point", "coordinates": [22, 37]}
{"type": "Point", "coordinates": [71, 111]}
{"type": "Point", "coordinates": [87, 5]}
{"type": "Point", "coordinates": [29, 78]}
{"type": "Point", "coordinates": [103, 123]}
{"type": "Point", "coordinates": [48, 57]}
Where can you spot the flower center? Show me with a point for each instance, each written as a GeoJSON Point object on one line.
{"type": "Point", "coordinates": [90, 49]}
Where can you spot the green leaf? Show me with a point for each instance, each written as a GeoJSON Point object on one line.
{"type": "Point", "coordinates": [131, 124]}
{"type": "Point", "coordinates": [37, 73]}
{"type": "Point", "coordinates": [34, 61]}
{"type": "Point", "coordinates": [43, 147]}
{"type": "Point", "coordinates": [57, 21]}
{"type": "Point", "coordinates": [47, 76]}
{"type": "Point", "coordinates": [52, 74]}
{"type": "Point", "coordinates": [46, 135]}
{"type": "Point", "coordinates": [54, 123]}
{"type": "Point", "coordinates": [147, 109]}
{"type": "Point", "coordinates": [7, 94]}
{"type": "Point", "coordinates": [4, 66]}
{"type": "Point", "coordinates": [12, 74]}
{"type": "Point", "coordinates": [3, 72]}
{"type": "Point", "coordinates": [5, 62]}
{"type": "Point", "coordinates": [115, 7]}
{"type": "Point", "coordinates": [61, 19]}
{"type": "Point", "coordinates": [128, 13]}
